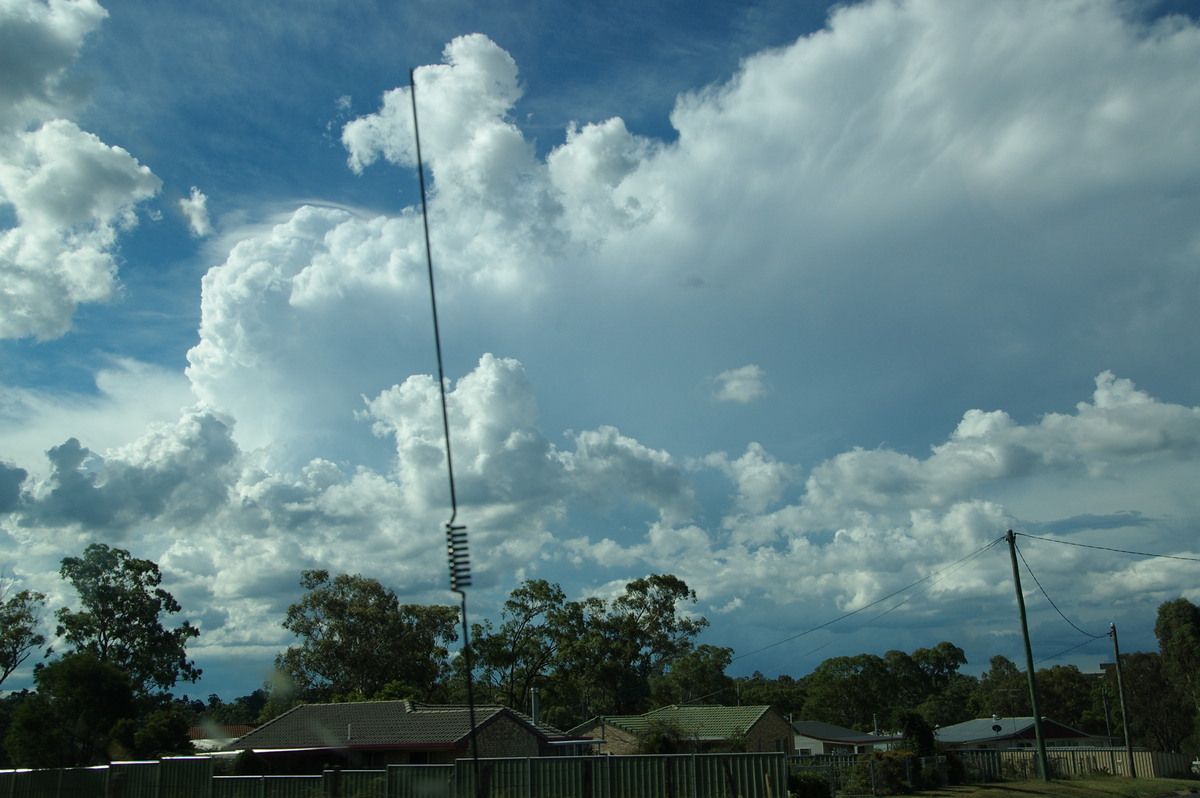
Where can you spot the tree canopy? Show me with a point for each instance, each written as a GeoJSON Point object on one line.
{"type": "Point", "coordinates": [20, 616]}
{"type": "Point", "coordinates": [122, 604]}
{"type": "Point", "coordinates": [356, 640]}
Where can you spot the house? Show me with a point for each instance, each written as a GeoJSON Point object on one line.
{"type": "Point", "coordinates": [814, 737]}
{"type": "Point", "coordinates": [996, 732]}
{"type": "Point", "coordinates": [700, 729]}
{"type": "Point", "coordinates": [374, 734]}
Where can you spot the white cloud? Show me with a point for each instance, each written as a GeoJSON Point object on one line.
{"type": "Point", "coordinates": [39, 41]}
{"type": "Point", "coordinates": [70, 193]}
{"type": "Point", "coordinates": [195, 211]}
{"type": "Point", "coordinates": [740, 385]}
{"type": "Point", "coordinates": [924, 194]}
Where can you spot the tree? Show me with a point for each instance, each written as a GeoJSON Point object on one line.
{"type": "Point", "coordinates": [784, 693]}
{"type": "Point", "coordinates": [1160, 716]}
{"type": "Point", "coordinates": [696, 677]}
{"type": "Point", "coordinates": [356, 640]}
{"type": "Point", "coordinates": [516, 657]}
{"type": "Point", "coordinates": [122, 604]}
{"type": "Point", "coordinates": [609, 652]}
{"type": "Point", "coordinates": [20, 616]}
{"type": "Point", "coordinates": [70, 720]}
{"type": "Point", "coordinates": [1065, 694]}
{"type": "Point", "coordinates": [1003, 690]}
{"type": "Point", "coordinates": [849, 691]}
{"type": "Point", "coordinates": [1178, 631]}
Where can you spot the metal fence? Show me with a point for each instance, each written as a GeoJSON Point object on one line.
{"type": "Point", "coordinates": [666, 776]}
{"type": "Point", "coordinates": [866, 774]}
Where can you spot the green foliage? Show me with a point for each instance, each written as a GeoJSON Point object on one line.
{"type": "Point", "coordinates": [8, 708]}
{"type": "Point", "coordinates": [809, 784]}
{"type": "Point", "coordinates": [1160, 716]}
{"type": "Point", "coordinates": [356, 639]}
{"type": "Point", "coordinates": [696, 676]}
{"type": "Point", "coordinates": [608, 653]}
{"type": "Point", "coordinates": [119, 621]}
{"type": "Point", "coordinates": [70, 721]}
{"type": "Point", "coordinates": [516, 657]}
{"type": "Point", "coordinates": [244, 709]}
{"type": "Point", "coordinates": [1177, 628]}
{"type": "Point", "coordinates": [163, 733]}
{"type": "Point", "coordinates": [918, 736]}
{"type": "Point", "coordinates": [663, 737]}
{"type": "Point", "coordinates": [884, 773]}
{"type": "Point", "coordinates": [248, 763]}
{"type": "Point", "coordinates": [784, 693]}
{"type": "Point", "coordinates": [20, 616]}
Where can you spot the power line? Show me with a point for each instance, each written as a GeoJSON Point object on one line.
{"type": "Point", "coordinates": [1047, 595]}
{"type": "Point", "coordinates": [948, 570]}
{"type": "Point", "coordinates": [1106, 548]}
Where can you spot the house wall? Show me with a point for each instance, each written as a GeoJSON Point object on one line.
{"type": "Point", "coordinates": [505, 737]}
{"type": "Point", "coordinates": [772, 734]}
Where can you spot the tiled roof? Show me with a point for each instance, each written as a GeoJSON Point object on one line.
{"type": "Point", "coordinates": [403, 724]}
{"type": "Point", "coordinates": [209, 731]}
{"type": "Point", "coordinates": [699, 722]}
{"type": "Point", "coordinates": [828, 732]}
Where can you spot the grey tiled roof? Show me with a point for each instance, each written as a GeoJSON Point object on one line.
{"type": "Point", "coordinates": [702, 722]}
{"type": "Point", "coordinates": [401, 724]}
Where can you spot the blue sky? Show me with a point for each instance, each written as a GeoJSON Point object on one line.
{"type": "Point", "coordinates": [801, 303]}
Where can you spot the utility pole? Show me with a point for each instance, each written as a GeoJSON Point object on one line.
{"type": "Point", "coordinates": [1112, 630]}
{"type": "Point", "coordinates": [1033, 697]}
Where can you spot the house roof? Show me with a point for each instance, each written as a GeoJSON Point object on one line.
{"type": "Point", "coordinates": [391, 724]}
{"type": "Point", "coordinates": [983, 730]}
{"type": "Point", "coordinates": [827, 732]}
{"type": "Point", "coordinates": [701, 722]}
{"type": "Point", "coordinates": [209, 731]}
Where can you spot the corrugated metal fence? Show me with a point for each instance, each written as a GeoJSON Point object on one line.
{"type": "Point", "coordinates": [989, 765]}
{"type": "Point", "coordinates": [667, 776]}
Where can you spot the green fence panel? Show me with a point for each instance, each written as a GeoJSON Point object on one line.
{"type": "Point", "coordinates": [37, 784]}
{"type": "Point", "coordinates": [238, 787]}
{"type": "Point", "coordinates": [420, 781]}
{"type": "Point", "coordinates": [356, 783]}
{"type": "Point", "coordinates": [561, 776]}
{"type": "Point", "coordinates": [741, 775]}
{"type": "Point", "coordinates": [185, 777]}
{"type": "Point", "coordinates": [133, 779]}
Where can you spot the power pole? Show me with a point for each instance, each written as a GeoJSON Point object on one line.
{"type": "Point", "coordinates": [1112, 630]}
{"type": "Point", "coordinates": [1033, 696]}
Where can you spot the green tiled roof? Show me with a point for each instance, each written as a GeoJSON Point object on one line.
{"type": "Point", "coordinates": [697, 721]}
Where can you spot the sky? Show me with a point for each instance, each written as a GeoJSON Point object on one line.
{"type": "Point", "coordinates": [806, 304]}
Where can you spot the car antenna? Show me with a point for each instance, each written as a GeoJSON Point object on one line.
{"type": "Point", "coordinates": [456, 534]}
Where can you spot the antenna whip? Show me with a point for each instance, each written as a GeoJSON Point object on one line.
{"type": "Point", "coordinates": [456, 534]}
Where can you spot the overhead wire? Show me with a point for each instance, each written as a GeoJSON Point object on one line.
{"type": "Point", "coordinates": [1108, 548]}
{"type": "Point", "coordinates": [943, 573]}
{"type": "Point", "coordinates": [1047, 595]}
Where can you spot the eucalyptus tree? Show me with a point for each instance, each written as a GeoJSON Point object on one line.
{"type": "Point", "coordinates": [357, 641]}
{"type": "Point", "coordinates": [20, 617]}
{"type": "Point", "coordinates": [1177, 628]}
{"type": "Point", "coordinates": [119, 621]}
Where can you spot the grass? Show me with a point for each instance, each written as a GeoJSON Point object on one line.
{"type": "Point", "coordinates": [1103, 787]}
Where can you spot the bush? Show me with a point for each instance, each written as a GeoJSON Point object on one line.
{"type": "Point", "coordinates": [809, 784]}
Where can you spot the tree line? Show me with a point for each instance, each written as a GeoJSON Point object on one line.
{"type": "Point", "coordinates": [109, 694]}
